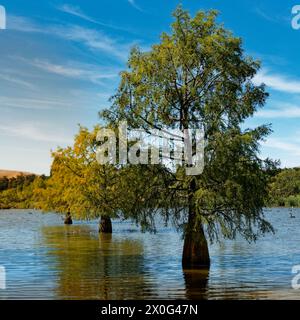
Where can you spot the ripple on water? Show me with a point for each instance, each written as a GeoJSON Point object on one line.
{"type": "Point", "coordinates": [46, 260]}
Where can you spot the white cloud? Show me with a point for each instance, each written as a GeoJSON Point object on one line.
{"type": "Point", "coordinates": [58, 69]}
{"type": "Point", "coordinates": [15, 80]}
{"type": "Point", "coordinates": [23, 24]}
{"type": "Point", "coordinates": [92, 39]}
{"type": "Point", "coordinates": [285, 149]}
{"type": "Point", "coordinates": [265, 15]}
{"type": "Point", "coordinates": [33, 132]}
{"type": "Point", "coordinates": [133, 4]}
{"type": "Point", "coordinates": [284, 110]}
{"type": "Point", "coordinates": [277, 82]}
{"type": "Point", "coordinates": [291, 148]}
{"type": "Point", "coordinates": [34, 104]}
{"type": "Point", "coordinates": [272, 16]}
{"type": "Point", "coordinates": [77, 12]}
{"type": "Point", "coordinates": [76, 71]}
{"type": "Point", "coordinates": [280, 83]}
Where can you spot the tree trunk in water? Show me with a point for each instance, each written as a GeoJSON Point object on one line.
{"type": "Point", "coordinates": [195, 249]}
{"type": "Point", "coordinates": [68, 219]}
{"type": "Point", "coordinates": [105, 225]}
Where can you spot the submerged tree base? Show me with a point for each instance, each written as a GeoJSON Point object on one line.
{"type": "Point", "coordinates": [195, 251]}
{"type": "Point", "coordinates": [68, 219]}
{"type": "Point", "coordinates": [105, 225]}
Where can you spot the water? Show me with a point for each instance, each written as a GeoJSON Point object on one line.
{"type": "Point", "coordinates": [46, 260]}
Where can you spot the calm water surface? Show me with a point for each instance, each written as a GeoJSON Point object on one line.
{"type": "Point", "coordinates": [46, 260]}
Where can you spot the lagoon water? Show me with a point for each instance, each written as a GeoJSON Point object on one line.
{"type": "Point", "coordinates": [46, 260]}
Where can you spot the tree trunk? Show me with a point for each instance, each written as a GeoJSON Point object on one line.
{"type": "Point", "coordinates": [105, 225]}
{"type": "Point", "coordinates": [195, 249]}
{"type": "Point", "coordinates": [68, 219]}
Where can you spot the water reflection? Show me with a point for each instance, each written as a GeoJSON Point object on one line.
{"type": "Point", "coordinates": [92, 266]}
{"type": "Point", "coordinates": [46, 260]}
{"type": "Point", "coordinates": [196, 282]}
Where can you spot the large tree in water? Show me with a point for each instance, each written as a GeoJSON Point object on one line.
{"type": "Point", "coordinates": [198, 77]}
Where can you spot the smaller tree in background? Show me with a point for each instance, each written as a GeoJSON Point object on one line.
{"type": "Point", "coordinates": [80, 185]}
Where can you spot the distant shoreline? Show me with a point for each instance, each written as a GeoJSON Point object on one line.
{"type": "Point", "coordinates": [35, 209]}
{"type": "Point", "coordinates": [13, 174]}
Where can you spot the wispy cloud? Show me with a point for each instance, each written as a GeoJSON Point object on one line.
{"type": "Point", "coordinates": [265, 15]}
{"type": "Point", "coordinates": [76, 70]}
{"type": "Point", "coordinates": [134, 5]}
{"type": "Point", "coordinates": [16, 80]}
{"type": "Point", "coordinates": [91, 38]}
{"type": "Point", "coordinates": [77, 12]}
{"type": "Point", "coordinates": [283, 110]}
{"type": "Point", "coordinates": [34, 104]}
{"type": "Point", "coordinates": [283, 145]}
{"type": "Point", "coordinates": [271, 16]}
{"type": "Point", "coordinates": [33, 132]}
{"type": "Point", "coordinates": [278, 82]}
{"type": "Point", "coordinates": [94, 40]}
{"type": "Point", "coordinates": [271, 59]}
{"type": "Point", "coordinates": [19, 23]}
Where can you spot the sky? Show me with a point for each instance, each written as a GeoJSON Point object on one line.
{"type": "Point", "coordinates": [60, 62]}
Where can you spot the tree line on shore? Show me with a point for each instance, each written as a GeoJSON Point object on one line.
{"type": "Point", "coordinates": [28, 192]}
{"type": "Point", "coordinates": [197, 77]}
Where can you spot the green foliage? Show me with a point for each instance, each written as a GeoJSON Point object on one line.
{"type": "Point", "coordinates": [20, 192]}
{"type": "Point", "coordinates": [79, 184]}
{"type": "Point", "coordinates": [4, 181]}
{"type": "Point", "coordinates": [19, 182]}
{"type": "Point", "coordinates": [199, 77]}
{"type": "Point", "coordinates": [284, 189]}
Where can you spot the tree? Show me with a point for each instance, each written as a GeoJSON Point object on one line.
{"type": "Point", "coordinates": [284, 189]}
{"type": "Point", "coordinates": [21, 192]}
{"type": "Point", "coordinates": [82, 187]}
{"type": "Point", "coordinates": [4, 183]}
{"type": "Point", "coordinates": [198, 77]}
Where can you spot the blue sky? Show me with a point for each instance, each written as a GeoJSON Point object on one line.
{"type": "Point", "coordinates": [60, 60]}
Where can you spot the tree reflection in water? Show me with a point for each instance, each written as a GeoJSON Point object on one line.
{"type": "Point", "coordinates": [196, 283]}
{"type": "Point", "coordinates": [93, 266]}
